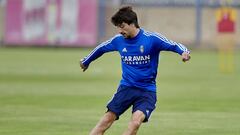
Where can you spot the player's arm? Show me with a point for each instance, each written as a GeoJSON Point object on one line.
{"type": "Point", "coordinates": [104, 47]}
{"type": "Point", "coordinates": [161, 43]}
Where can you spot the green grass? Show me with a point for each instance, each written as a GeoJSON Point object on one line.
{"type": "Point", "coordinates": [44, 92]}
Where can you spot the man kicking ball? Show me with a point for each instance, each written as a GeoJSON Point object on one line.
{"type": "Point", "coordinates": [139, 50]}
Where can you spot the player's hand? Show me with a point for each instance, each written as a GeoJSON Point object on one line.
{"type": "Point", "coordinates": [186, 56]}
{"type": "Point", "coordinates": [83, 67]}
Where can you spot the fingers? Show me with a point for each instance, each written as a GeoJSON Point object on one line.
{"type": "Point", "coordinates": [184, 60]}
{"type": "Point", "coordinates": [83, 67]}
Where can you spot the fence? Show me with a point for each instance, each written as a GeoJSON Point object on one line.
{"type": "Point", "coordinates": [192, 22]}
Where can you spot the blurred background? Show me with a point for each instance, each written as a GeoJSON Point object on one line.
{"type": "Point", "coordinates": [44, 92]}
{"type": "Point", "coordinates": [84, 23]}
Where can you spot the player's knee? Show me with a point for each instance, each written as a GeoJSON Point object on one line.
{"type": "Point", "coordinates": [136, 123]}
{"type": "Point", "coordinates": [109, 118]}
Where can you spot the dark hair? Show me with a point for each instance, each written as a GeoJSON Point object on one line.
{"type": "Point", "coordinates": [126, 15]}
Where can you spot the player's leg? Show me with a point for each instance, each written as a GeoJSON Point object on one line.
{"type": "Point", "coordinates": [142, 109]}
{"type": "Point", "coordinates": [105, 122]}
{"type": "Point", "coordinates": [135, 123]}
{"type": "Point", "coordinates": [118, 105]}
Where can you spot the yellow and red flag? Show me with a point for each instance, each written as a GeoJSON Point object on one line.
{"type": "Point", "coordinates": [226, 19]}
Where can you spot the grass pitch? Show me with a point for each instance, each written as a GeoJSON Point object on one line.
{"type": "Point", "coordinates": [44, 92]}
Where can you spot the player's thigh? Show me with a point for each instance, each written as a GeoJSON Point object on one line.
{"type": "Point", "coordinates": [121, 101]}
{"type": "Point", "coordinates": [145, 103]}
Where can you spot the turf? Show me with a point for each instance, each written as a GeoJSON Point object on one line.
{"type": "Point", "coordinates": [44, 92]}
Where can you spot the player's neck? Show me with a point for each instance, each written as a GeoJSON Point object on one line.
{"type": "Point", "coordinates": [135, 32]}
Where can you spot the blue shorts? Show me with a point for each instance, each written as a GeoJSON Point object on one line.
{"type": "Point", "coordinates": [138, 98]}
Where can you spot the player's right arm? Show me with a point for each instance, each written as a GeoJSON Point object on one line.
{"type": "Point", "coordinates": [104, 47]}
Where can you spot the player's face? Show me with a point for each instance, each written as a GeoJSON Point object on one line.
{"type": "Point", "coordinates": [126, 30]}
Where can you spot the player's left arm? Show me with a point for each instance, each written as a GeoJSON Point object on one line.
{"type": "Point", "coordinates": [163, 44]}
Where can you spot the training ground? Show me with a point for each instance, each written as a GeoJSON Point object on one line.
{"type": "Point", "coordinates": [44, 92]}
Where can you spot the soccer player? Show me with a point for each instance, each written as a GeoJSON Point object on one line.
{"type": "Point", "coordinates": [139, 50]}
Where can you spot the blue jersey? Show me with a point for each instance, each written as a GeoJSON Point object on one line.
{"type": "Point", "coordinates": [139, 56]}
